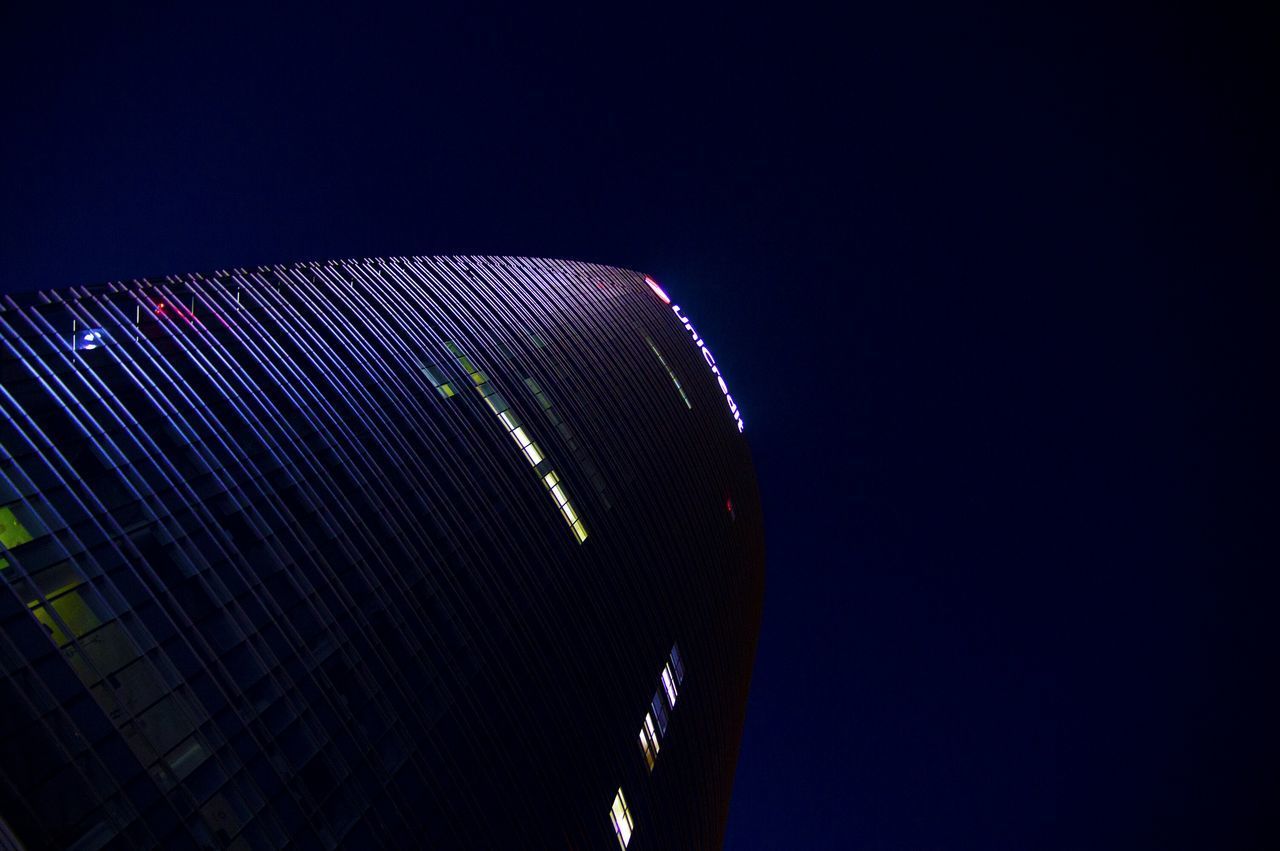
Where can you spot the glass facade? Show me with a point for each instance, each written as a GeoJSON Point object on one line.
{"type": "Point", "coordinates": [270, 578]}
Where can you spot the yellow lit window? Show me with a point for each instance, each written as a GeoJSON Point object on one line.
{"type": "Point", "coordinates": [649, 741]}
{"type": "Point", "coordinates": [644, 749]}
{"type": "Point", "coordinates": [621, 817]}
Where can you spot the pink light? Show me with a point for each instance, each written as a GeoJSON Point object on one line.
{"type": "Point", "coordinates": [657, 290]}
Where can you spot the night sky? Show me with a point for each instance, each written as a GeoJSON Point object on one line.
{"type": "Point", "coordinates": [994, 290]}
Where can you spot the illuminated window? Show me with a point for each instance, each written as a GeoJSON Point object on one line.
{"type": "Point", "coordinates": [438, 380]}
{"type": "Point", "coordinates": [477, 377]}
{"type": "Point", "coordinates": [677, 664]}
{"type": "Point", "coordinates": [528, 446]}
{"type": "Point", "coordinates": [620, 815]}
{"type": "Point", "coordinates": [671, 373]}
{"type": "Point", "coordinates": [12, 533]}
{"type": "Point", "coordinates": [570, 440]}
{"type": "Point", "coordinates": [649, 740]}
{"type": "Point", "coordinates": [669, 684]}
{"type": "Point", "coordinates": [76, 614]}
{"type": "Point", "coordinates": [659, 711]}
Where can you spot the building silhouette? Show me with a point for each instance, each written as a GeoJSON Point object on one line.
{"type": "Point", "coordinates": [390, 553]}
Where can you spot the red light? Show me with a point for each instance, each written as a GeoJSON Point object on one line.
{"type": "Point", "coordinates": [657, 290]}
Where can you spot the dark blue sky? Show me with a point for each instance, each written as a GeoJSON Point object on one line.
{"type": "Point", "coordinates": [994, 290]}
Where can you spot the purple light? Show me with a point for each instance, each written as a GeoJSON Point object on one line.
{"type": "Point", "coordinates": [657, 290]}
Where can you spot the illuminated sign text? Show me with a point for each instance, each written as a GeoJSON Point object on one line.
{"type": "Point", "coordinates": [711, 362]}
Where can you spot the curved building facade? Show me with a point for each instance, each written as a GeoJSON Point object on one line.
{"type": "Point", "coordinates": [408, 553]}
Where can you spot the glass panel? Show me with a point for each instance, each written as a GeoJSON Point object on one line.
{"type": "Point", "coordinates": [659, 711]}
{"type": "Point", "coordinates": [621, 818]}
{"type": "Point", "coordinates": [669, 683]}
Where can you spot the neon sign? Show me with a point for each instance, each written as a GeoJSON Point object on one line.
{"type": "Point", "coordinates": [702, 347]}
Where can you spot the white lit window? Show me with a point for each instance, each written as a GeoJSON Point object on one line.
{"type": "Point", "coordinates": [533, 453]}
{"type": "Point", "coordinates": [669, 683]}
{"type": "Point", "coordinates": [621, 818]}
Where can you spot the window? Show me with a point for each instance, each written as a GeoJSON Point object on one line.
{"type": "Point", "coordinates": [528, 446]}
{"type": "Point", "coordinates": [78, 613]}
{"type": "Point", "coordinates": [620, 815]}
{"type": "Point", "coordinates": [12, 533]}
{"type": "Point", "coordinates": [649, 740]}
{"type": "Point", "coordinates": [669, 683]}
{"type": "Point", "coordinates": [659, 711]}
{"type": "Point", "coordinates": [677, 664]}
{"type": "Point", "coordinates": [574, 445]}
{"type": "Point", "coordinates": [438, 379]}
{"type": "Point", "coordinates": [477, 377]}
{"type": "Point", "coordinates": [670, 372]}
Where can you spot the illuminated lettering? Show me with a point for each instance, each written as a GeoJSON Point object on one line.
{"type": "Point", "coordinates": [711, 362]}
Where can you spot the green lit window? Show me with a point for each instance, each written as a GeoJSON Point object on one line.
{"type": "Point", "coordinates": [12, 533]}
{"type": "Point", "coordinates": [438, 380]}
{"type": "Point", "coordinates": [75, 614]}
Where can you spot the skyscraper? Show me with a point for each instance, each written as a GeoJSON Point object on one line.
{"type": "Point", "coordinates": [409, 552]}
